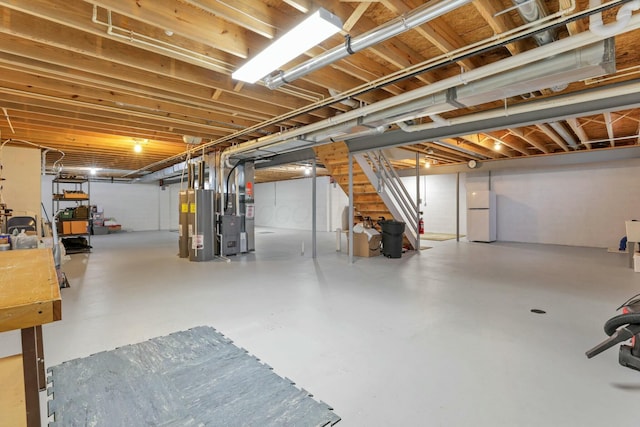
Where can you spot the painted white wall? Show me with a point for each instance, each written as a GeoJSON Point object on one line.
{"type": "Point", "coordinates": [287, 204]}
{"type": "Point", "coordinates": [168, 210]}
{"type": "Point", "coordinates": [578, 205]}
{"type": "Point", "coordinates": [582, 205]}
{"type": "Point", "coordinates": [337, 201]}
{"type": "Point", "coordinates": [21, 187]}
{"type": "Point", "coordinates": [438, 206]}
{"type": "Point", "coordinates": [134, 206]}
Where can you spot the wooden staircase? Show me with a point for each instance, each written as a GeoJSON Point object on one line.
{"type": "Point", "coordinates": [367, 201]}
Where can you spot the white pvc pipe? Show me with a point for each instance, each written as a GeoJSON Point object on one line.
{"type": "Point", "coordinates": [622, 19]}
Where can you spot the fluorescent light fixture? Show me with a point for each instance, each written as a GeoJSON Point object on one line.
{"type": "Point", "coordinates": [314, 29]}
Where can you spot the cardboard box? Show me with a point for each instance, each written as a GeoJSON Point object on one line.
{"type": "Point", "coordinates": [74, 227]}
{"type": "Point", "coordinates": [365, 247]}
{"type": "Point", "coordinates": [66, 227]}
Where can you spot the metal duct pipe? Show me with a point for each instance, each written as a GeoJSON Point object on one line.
{"type": "Point", "coordinates": [620, 96]}
{"type": "Point", "coordinates": [489, 116]}
{"type": "Point", "coordinates": [566, 136]}
{"type": "Point", "coordinates": [349, 102]}
{"type": "Point", "coordinates": [596, 59]}
{"type": "Point", "coordinates": [531, 11]}
{"type": "Point", "coordinates": [391, 29]}
{"type": "Point", "coordinates": [510, 63]}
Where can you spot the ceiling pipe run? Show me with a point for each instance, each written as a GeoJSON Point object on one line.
{"type": "Point", "coordinates": [623, 96]}
{"type": "Point", "coordinates": [389, 30]}
{"type": "Point", "coordinates": [598, 58]}
{"type": "Point", "coordinates": [632, 87]}
{"type": "Point", "coordinates": [622, 18]}
{"type": "Point", "coordinates": [566, 136]}
{"type": "Point", "coordinates": [531, 11]}
{"type": "Point", "coordinates": [564, 45]}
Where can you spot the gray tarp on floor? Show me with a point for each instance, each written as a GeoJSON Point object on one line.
{"type": "Point", "coordinates": [189, 378]}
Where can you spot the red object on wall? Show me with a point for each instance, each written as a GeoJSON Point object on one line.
{"type": "Point", "coordinates": [249, 189]}
{"type": "Point", "coordinates": [421, 226]}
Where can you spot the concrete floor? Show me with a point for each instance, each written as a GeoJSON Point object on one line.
{"type": "Point", "coordinates": [441, 338]}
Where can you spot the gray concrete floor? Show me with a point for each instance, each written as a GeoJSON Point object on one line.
{"type": "Point", "coordinates": [441, 338]}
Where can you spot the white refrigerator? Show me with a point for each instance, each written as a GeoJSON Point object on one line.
{"type": "Point", "coordinates": [481, 216]}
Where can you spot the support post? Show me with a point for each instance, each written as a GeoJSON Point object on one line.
{"type": "Point", "coordinates": [313, 214]}
{"type": "Point", "coordinates": [457, 206]}
{"type": "Point", "coordinates": [351, 213]}
{"type": "Point", "coordinates": [418, 202]}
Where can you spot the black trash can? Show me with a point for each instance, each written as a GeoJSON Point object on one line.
{"type": "Point", "coordinates": [392, 232]}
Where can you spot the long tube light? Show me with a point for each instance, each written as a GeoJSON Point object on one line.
{"type": "Point", "coordinates": [316, 28]}
{"type": "Point", "coordinates": [416, 17]}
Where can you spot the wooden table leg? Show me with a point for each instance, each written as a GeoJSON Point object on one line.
{"type": "Point", "coordinates": [42, 377]}
{"type": "Point", "coordinates": [30, 368]}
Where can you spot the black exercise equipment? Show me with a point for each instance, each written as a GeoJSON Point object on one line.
{"type": "Point", "coordinates": [621, 328]}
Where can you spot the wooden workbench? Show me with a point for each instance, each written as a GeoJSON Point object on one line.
{"type": "Point", "coordinates": [29, 298]}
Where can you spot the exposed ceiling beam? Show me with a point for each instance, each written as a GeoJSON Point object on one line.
{"type": "Point", "coordinates": [171, 15]}
{"type": "Point", "coordinates": [608, 121]}
{"type": "Point", "coordinates": [537, 162]}
{"type": "Point", "coordinates": [513, 145]}
{"type": "Point", "coordinates": [303, 6]}
{"type": "Point", "coordinates": [552, 135]}
{"type": "Point", "coordinates": [499, 22]}
{"type": "Point", "coordinates": [573, 27]}
{"type": "Point", "coordinates": [576, 127]}
{"type": "Point", "coordinates": [486, 145]}
{"type": "Point", "coordinates": [435, 31]}
{"type": "Point", "coordinates": [358, 12]}
{"type": "Point", "coordinates": [528, 139]}
{"type": "Point", "coordinates": [254, 16]}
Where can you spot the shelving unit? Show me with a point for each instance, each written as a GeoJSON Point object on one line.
{"type": "Point", "coordinates": [72, 193]}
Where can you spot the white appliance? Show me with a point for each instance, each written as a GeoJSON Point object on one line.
{"type": "Point", "coordinates": [481, 216]}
